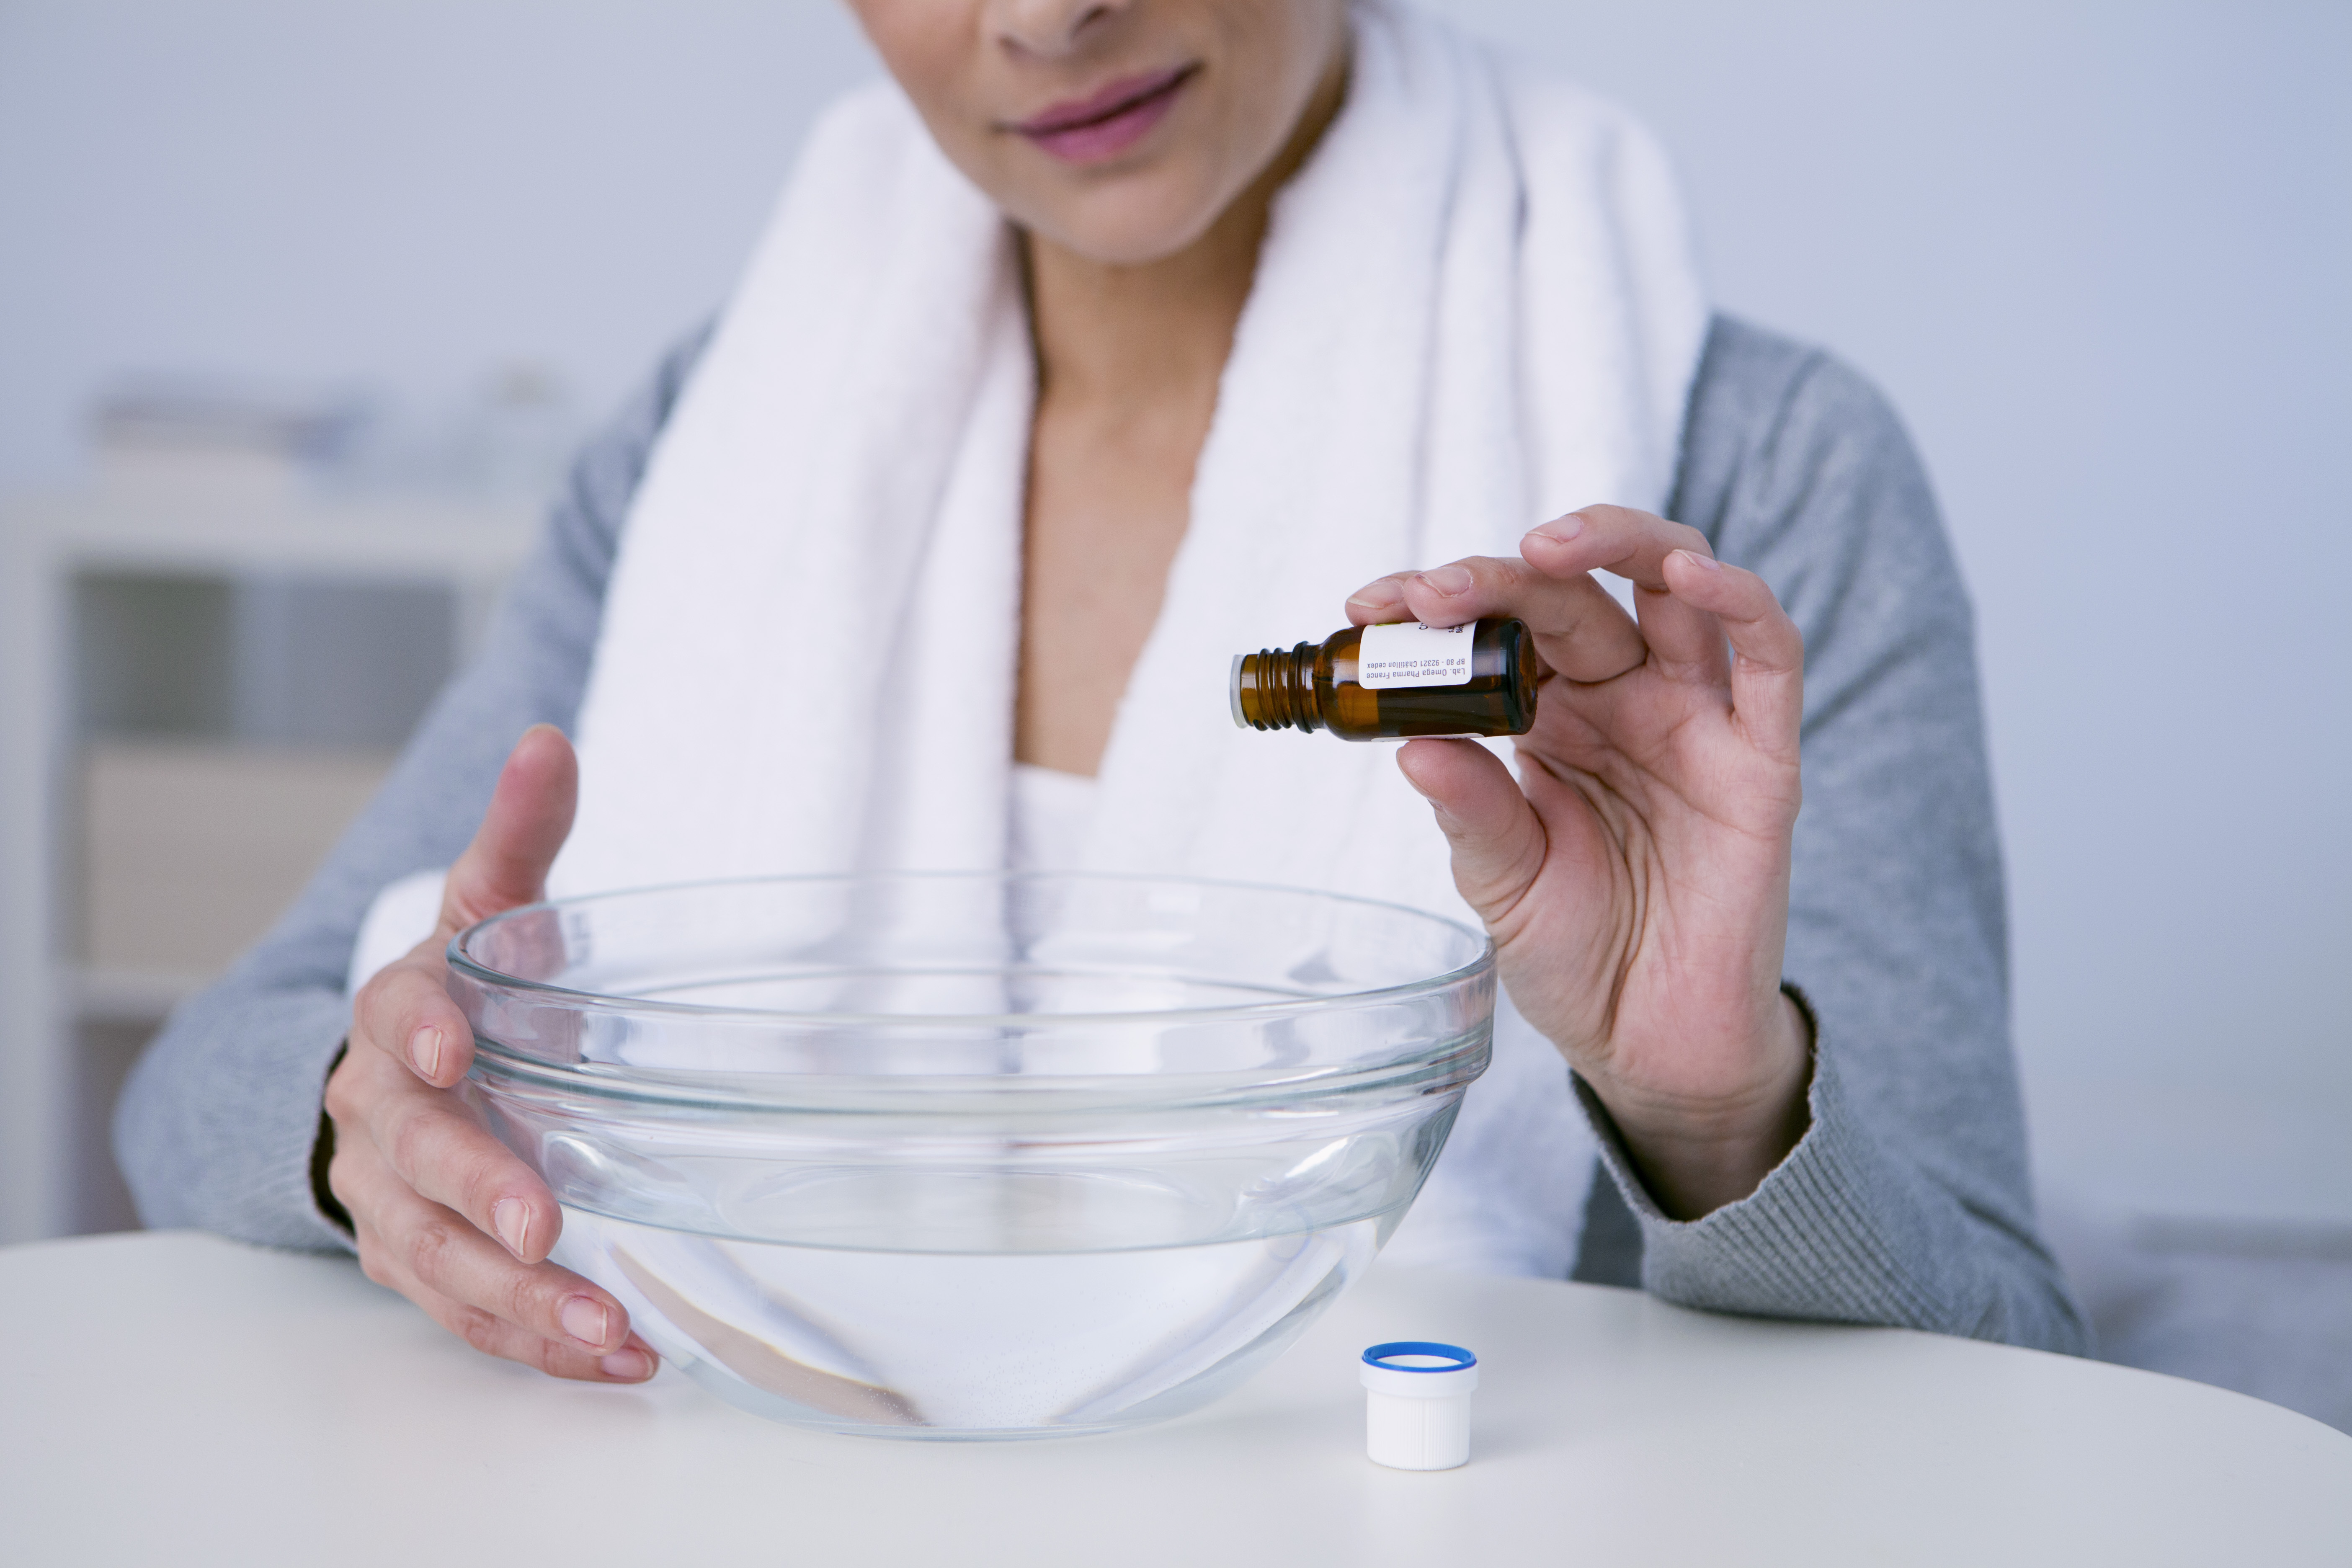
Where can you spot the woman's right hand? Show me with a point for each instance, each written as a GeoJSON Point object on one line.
{"type": "Point", "coordinates": [443, 1211]}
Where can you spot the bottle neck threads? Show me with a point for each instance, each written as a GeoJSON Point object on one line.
{"type": "Point", "coordinates": [1275, 690]}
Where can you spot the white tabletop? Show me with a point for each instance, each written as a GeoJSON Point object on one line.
{"type": "Point", "coordinates": [175, 1398]}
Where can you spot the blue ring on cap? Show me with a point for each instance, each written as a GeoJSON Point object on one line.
{"type": "Point", "coordinates": [1378, 1355]}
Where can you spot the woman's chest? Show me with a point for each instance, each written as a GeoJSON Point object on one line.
{"type": "Point", "coordinates": [1105, 512]}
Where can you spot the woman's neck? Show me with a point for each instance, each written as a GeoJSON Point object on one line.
{"type": "Point", "coordinates": [1123, 336]}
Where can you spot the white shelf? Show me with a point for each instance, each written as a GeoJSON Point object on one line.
{"type": "Point", "coordinates": [98, 995]}
{"type": "Point", "coordinates": [146, 528]}
{"type": "Point", "coordinates": [428, 539]}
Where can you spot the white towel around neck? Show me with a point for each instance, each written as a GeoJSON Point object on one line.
{"type": "Point", "coordinates": [1476, 308]}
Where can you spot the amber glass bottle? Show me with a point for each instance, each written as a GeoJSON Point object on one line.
{"type": "Point", "coordinates": [1391, 683]}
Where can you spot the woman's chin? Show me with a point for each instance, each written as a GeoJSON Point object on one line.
{"type": "Point", "coordinates": [1132, 221]}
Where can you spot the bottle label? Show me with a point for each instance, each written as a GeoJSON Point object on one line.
{"type": "Point", "coordinates": [1410, 654]}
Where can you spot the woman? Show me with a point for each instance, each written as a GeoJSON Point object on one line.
{"type": "Point", "coordinates": [1170, 317]}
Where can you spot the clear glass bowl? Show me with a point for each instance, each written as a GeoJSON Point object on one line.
{"type": "Point", "coordinates": [973, 1155]}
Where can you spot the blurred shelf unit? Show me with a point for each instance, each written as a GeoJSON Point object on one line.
{"type": "Point", "coordinates": [201, 682]}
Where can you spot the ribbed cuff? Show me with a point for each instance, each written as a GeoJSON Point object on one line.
{"type": "Point", "coordinates": [1837, 1231]}
{"type": "Point", "coordinates": [322, 1153]}
{"type": "Point", "coordinates": [253, 1116]}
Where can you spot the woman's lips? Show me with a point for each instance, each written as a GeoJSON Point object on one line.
{"type": "Point", "coordinates": [1106, 123]}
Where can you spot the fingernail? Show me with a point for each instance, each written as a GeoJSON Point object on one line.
{"type": "Point", "coordinates": [424, 1051]}
{"type": "Point", "coordinates": [1695, 559]}
{"type": "Point", "coordinates": [1448, 580]}
{"type": "Point", "coordinates": [585, 1321]}
{"type": "Point", "coordinates": [1368, 604]}
{"type": "Point", "coordinates": [629, 1366]}
{"type": "Point", "coordinates": [1560, 530]}
{"type": "Point", "coordinates": [512, 1218]}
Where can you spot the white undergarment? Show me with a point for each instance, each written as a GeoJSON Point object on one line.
{"type": "Point", "coordinates": [1053, 811]}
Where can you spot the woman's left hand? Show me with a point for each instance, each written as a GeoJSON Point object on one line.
{"type": "Point", "coordinates": [1635, 877]}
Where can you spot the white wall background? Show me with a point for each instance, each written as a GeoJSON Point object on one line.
{"type": "Point", "coordinates": [2099, 253]}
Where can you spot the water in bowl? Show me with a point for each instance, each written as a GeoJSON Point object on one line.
{"type": "Point", "coordinates": [995, 1341]}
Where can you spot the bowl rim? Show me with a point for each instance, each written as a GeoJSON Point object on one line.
{"type": "Point", "coordinates": [1037, 1102]}
{"type": "Point", "coordinates": [477, 973]}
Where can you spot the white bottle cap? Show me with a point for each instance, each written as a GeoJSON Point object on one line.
{"type": "Point", "coordinates": [1417, 1404]}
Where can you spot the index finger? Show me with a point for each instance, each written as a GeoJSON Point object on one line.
{"type": "Point", "coordinates": [406, 1012]}
{"type": "Point", "coordinates": [1617, 538]}
{"type": "Point", "coordinates": [1684, 641]}
{"type": "Point", "coordinates": [1581, 632]}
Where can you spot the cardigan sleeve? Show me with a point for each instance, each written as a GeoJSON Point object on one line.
{"type": "Point", "coordinates": [217, 1124]}
{"type": "Point", "coordinates": [1908, 1201]}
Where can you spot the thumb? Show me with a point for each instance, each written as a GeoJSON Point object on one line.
{"type": "Point", "coordinates": [1497, 838]}
{"type": "Point", "coordinates": [529, 818]}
